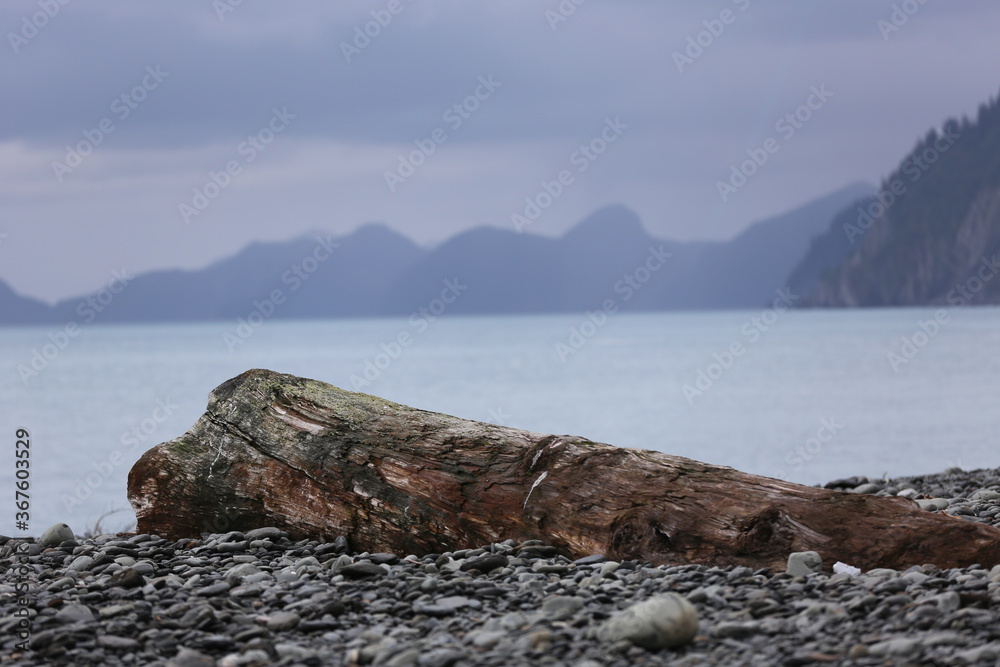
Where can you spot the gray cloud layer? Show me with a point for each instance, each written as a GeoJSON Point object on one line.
{"type": "Point", "coordinates": [223, 77]}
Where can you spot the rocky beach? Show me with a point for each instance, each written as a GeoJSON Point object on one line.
{"type": "Point", "coordinates": [259, 598]}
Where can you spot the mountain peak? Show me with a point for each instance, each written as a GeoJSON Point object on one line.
{"type": "Point", "coordinates": [608, 224]}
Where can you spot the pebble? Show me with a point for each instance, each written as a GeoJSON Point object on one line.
{"type": "Point", "coordinates": [931, 504]}
{"type": "Point", "coordinates": [803, 563]}
{"type": "Point", "coordinates": [257, 597]}
{"type": "Point", "coordinates": [75, 613]}
{"type": "Point", "coordinates": [561, 607]}
{"type": "Point", "coordinates": [660, 622]}
{"type": "Point", "coordinates": [56, 535]}
{"type": "Point", "coordinates": [283, 620]}
{"type": "Point", "coordinates": [361, 571]}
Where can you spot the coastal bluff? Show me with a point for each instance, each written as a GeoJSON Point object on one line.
{"type": "Point", "coordinates": [321, 462]}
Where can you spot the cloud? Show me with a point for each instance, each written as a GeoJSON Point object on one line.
{"type": "Point", "coordinates": [354, 119]}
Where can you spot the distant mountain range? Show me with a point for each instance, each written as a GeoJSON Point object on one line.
{"type": "Point", "coordinates": [377, 272]}
{"type": "Point", "coordinates": [931, 235]}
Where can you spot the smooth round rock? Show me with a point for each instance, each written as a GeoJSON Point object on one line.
{"type": "Point", "coordinates": [664, 621]}
{"type": "Point", "coordinates": [75, 613]}
{"type": "Point", "coordinates": [561, 607]}
{"type": "Point", "coordinates": [931, 504]}
{"type": "Point", "coordinates": [283, 620]}
{"type": "Point", "coordinates": [803, 563]}
{"type": "Point", "coordinates": [361, 570]}
{"type": "Point", "coordinates": [485, 564]}
{"type": "Point", "coordinates": [129, 577]}
{"type": "Point", "coordinates": [266, 533]}
{"type": "Point", "coordinates": [55, 535]}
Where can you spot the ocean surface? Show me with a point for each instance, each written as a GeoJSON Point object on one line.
{"type": "Point", "coordinates": [807, 396]}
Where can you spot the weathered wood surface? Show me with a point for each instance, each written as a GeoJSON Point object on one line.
{"type": "Point", "coordinates": [318, 461]}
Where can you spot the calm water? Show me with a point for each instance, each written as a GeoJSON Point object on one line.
{"type": "Point", "coordinates": [811, 398]}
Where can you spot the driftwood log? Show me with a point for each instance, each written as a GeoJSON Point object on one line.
{"type": "Point", "coordinates": [318, 462]}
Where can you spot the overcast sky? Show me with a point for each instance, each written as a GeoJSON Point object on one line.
{"type": "Point", "coordinates": [159, 95]}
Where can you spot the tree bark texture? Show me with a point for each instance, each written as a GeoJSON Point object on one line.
{"type": "Point", "coordinates": [319, 461]}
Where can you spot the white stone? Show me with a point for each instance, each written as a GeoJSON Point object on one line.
{"type": "Point", "coordinates": [664, 621]}
{"type": "Point", "coordinates": [803, 563]}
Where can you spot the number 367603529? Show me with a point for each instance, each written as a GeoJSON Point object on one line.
{"type": "Point", "coordinates": [22, 472]}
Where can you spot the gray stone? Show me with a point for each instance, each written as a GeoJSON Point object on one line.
{"type": "Point", "coordinates": [214, 589]}
{"type": "Point", "coordinates": [128, 578]}
{"type": "Point", "coordinates": [114, 610]}
{"type": "Point", "coordinates": [487, 638]}
{"type": "Point", "coordinates": [591, 560]}
{"type": "Point", "coordinates": [608, 567]}
{"type": "Point", "coordinates": [189, 658]}
{"type": "Point", "coordinates": [116, 642]}
{"type": "Point", "coordinates": [866, 488]}
{"type": "Point", "coordinates": [446, 606]}
{"type": "Point", "coordinates": [456, 602]}
{"type": "Point", "coordinates": [198, 617]}
{"type": "Point", "coordinates": [75, 613]}
{"type": "Point", "coordinates": [266, 533]}
{"type": "Point", "coordinates": [283, 620]}
{"type": "Point", "coordinates": [55, 535]}
{"type": "Point", "coordinates": [441, 657]}
{"type": "Point", "coordinates": [289, 651]}
{"type": "Point", "coordinates": [550, 568]}
{"type": "Point", "coordinates": [933, 503]}
{"type": "Point", "coordinates": [803, 563]}
{"type": "Point", "coordinates": [338, 563]}
{"type": "Point", "coordinates": [81, 563]}
{"type": "Point", "coordinates": [362, 571]}
{"type": "Point", "coordinates": [561, 607]}
{"type": "Point", "coordinates": [978, 654]}
{"type": "Point", "coordinates": [947, 601]}
{"type": "Point", "coordinates": [383, 559]}
{"type": "Point", "coordinates": [238, 573]}
{"type": "Point", "coordinates": [406, 658]}
{"type": "Point", "coordinates": [737, 629]}
{"type": "Point", "coordinates": [485, 564]}
{"type": "Point", "coordinates": [664, 621]}
{"type": "Point", "coordinates": [903, 646]}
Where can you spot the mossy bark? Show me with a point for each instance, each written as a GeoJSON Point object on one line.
{"type": "Point", "coordinates": [318, 461]}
